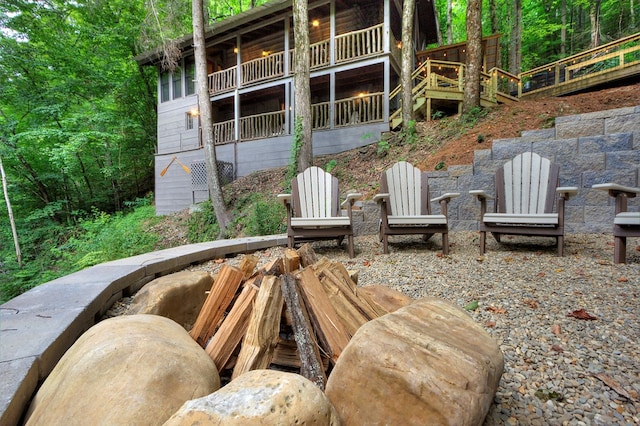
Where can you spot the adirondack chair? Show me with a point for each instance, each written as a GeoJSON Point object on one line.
{"type": "Point", "coordinates": [405, 207]}
{"type": "Point", "coordinates": [626, 223]}
{"type": "Point", "coordinates": [526, 191]}
{"type": "Point", "coordinates": [313, 209]}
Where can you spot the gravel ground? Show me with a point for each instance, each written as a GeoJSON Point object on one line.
{"type": "Point", "coordinates": [559, 369]}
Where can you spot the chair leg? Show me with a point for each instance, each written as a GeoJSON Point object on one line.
{"type": "Point", "coordinates": [483, 242]}
{"type": "Point", "coordinates": [560, 242]}
{"type": "Point", "coordinates": [385, 243]}
{"type": "Point", "coordinates": [350, 243]}
{"type": "Point", "coordinates": [445, 243]}
{"type": "Point", "coordinates": [620, 250]}
{"type": "Point", "coordinates": [290, 242]}
{"type": "Point", "coordinates": [425, 237]}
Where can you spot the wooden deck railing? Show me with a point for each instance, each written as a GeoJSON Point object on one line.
{"type": "Point", "coordinates": [267, 67]}
{"type": "Point", "coordinates": [262, 125]}
{"type": "Point", "coordinates": [321, 115]}
{"type": "Point", "coordinates": [357, 44]}
{"type": "Point", "coordinates": [221, 81]}
{"type": "Point", "coordinates": [366, 108]}
{"type": "Point", "coordinates": [606, 58]}
{"type": "Point", "coordinates": [224, 132]}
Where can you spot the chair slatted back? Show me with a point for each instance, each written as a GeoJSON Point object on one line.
{"type": "Point", "coordinates": [315, 194]}
{"type": "Point", "coordinates": [526, 185]}
{"type": "Point", "coordinates": [408, 190]}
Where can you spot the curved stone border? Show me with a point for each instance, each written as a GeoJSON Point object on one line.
{"type": "Point", "coordinates": [37, 327]}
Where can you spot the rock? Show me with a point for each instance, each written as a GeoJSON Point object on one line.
{"type": "Point", "coordinates": [128, 370]}
{"type": "Point", "coordinates": [260, 397]}
{"type": "Point", "coordinates": [178, 296]}
{"type": "Point", "coordinates": [388, 298]}
{"type": "Point", "coordinates": [426, 363]}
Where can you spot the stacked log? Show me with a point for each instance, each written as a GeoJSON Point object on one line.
{"type": "Point", "coordinates": [297, 314]}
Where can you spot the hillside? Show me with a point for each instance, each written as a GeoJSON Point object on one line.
{"type": "Point", "coordinates": [439, 144]}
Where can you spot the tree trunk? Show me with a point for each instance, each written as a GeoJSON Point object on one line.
{"type": "Point", "coordinates": [474, 56]}
{"type": "Point", "coordinates": [302, 91]}
{"type": "Point", "coordinates": [407, 61]}
{"type": "Point", "coordinates": [632, 14]}
{"type": "Point", "coordinates": [206, 117]}
{"type": "Point", "coordinates": [449, 22]}
{"type": "Point", "coordinates": [563, 29]}
{"type": "Point", "coordinates": [515, 48]}
{"type": "Point", "coordinates": [495, 28]}
{"type": "Point", "coordinates": [594, 17]}
{"type": "Point", "coordinates": [11, 220]}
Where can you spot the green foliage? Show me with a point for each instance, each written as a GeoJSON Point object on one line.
{"type": "Point", "coordinates": [441, 165]}
{"type": "Point", "coordinates": [383, 147]}
{"type": "Point", "coordinates": [330, 166]}
{"type": "Point", "coordinates": [296, 146]}
{"type": "Point", "coordinates": [202, 224]}
{"type": "Point", "coordinates": [409, 134]}
{"type": "Point", "coordinates": [471, 118]}
{"type": "Point", "coordinates": [480, 138]}
{"type": "Point", "coordinates": [266, 217]}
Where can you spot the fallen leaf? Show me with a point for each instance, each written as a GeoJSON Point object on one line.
{"type": "Point", "coordinates": [582, 314]}
{"type": "Point", "coordinates": [366, 263]}
{"type": "Point", "coordinates": [607, 380]}
{"type": "Point", "coordinates": [623, 279]}
{"type": "Point", "coordinates": [219, 261]}
{"type": "Point", "coordinates": [531, 303]}
{"type": "Point", "coordinates": [603, 262]}
{"type": "Point", "coordinates": [439, 254]}
{"type": "Point", "coordinates": [559, 270]}
{"type": "Point", "coordinates": [555, 329]}
{"type": "Point", "coordinates": [472, 306]}
{"type": "Point", "coordinates": [490, 324]}
{"type": "Point", "coordinates": [480, 259]}
{"type": "Point", "coordinates": [557, 348]}
{"type": "Point", "coordinates": [496, 310]}
{"type": "Point", "coordinates": [541, 274]}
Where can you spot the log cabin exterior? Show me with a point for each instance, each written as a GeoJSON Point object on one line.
{"type": "Point", "coordinates": [354, 62]}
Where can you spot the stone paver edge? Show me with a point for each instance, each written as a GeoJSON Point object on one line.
{"type": "Point", "coordinates": [27, 355]}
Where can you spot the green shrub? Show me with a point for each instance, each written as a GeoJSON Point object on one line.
{"type": "Point", "coordinates": [202, 224]}
{"type": "Point", "coordinates": [265, 217]}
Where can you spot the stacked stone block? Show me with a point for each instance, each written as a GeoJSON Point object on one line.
{"type": "Point", "coordinates": [591, 148]}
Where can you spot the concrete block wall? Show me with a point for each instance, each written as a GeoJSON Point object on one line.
{"type": "Point", "coordinates": [590, 148]}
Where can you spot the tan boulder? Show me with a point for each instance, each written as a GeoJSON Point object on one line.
{"type": "Point", "coordinates": [128, 370]}
{"type": "Point", "coordinates": [178, 296]}
{"type": "Point", "coordinates": [426, 363]}
{"type": "Point", "coordinates": [260, 397]}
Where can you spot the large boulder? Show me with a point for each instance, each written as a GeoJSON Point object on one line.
{"type": "Point", "coordinates": [128, 370]}
{"type": "Point", "coordinates": [426, 363]}
{"type": "Point", "coordinates": [265, 397]}
{"type": "Point", "coordinates": [178, 296]}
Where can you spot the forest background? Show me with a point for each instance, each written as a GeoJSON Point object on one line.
{"type": "Point", "coordinates": [78, 116]}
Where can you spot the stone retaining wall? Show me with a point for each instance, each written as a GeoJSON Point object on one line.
{"type": "Point", "coordinates": [590, 148]}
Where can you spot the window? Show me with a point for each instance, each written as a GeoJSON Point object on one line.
{"type": "Point", "coordinates": [177, 83]}
{"type": "Point", "coordinates": [189, 120]}
{"type": "Point", "coordinates": [190, 76]}
{"type": "Point", "coordinates": [164, 87]}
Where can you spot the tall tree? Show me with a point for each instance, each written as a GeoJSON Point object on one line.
{"type": "Point", "coordinates": [449, 22]}
{"type": "Point", "coordinates": [206, 117]}
{"type": "Point", "coordinates": [408, 7]}
{"type": "Point", "coordinates": [14, 231]}
{"type": "Point", "coordinates": [515, 45]}
{"type": "Point", "coordinates": [594, 18]}
{"type": "Point", "coordinates": [302, 97]}
{"type": "Point", "coordinates": [474, 56]}
{"type": "Point", "coordinates": [563, 29]}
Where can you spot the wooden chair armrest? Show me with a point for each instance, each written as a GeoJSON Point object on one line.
{"type": "Point", "coordinates": [614, 189]}
{"type": "Point", "coordinates": [378, 198]}
{"type": "Point", "coordinates": [285, 198]}
{"type": "Point", "coordinates": [480, 194]}
{"type": "Point", "coordinates": [351, 198]}
{"type": "Point", "coordinates": [446, 197]}
{"type": "Point", "coordinates": [567, 191]}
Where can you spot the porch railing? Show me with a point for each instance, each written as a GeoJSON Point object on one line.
{"type": "Point", "coordinates": [321, 116]}
{"type": "Point", "coordinates": [224, 132]}
{"type": "Point", "coordinates": [221, 81]}
{"type": "Point", "coordinates": [264, 68]}
{"type": "Point", "coordinates": [262, 125]}
{"type": "Point", "coordinates": [366, 108]}
{"type": "Point", "coordinates": [357, 44]}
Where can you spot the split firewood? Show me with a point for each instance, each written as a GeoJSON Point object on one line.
{"type": "Point", "coordinates": [307, 255]}
{"type": "Point", "coordinates": [222, 292]}
{"type": "Point", "coordinates": [247, 265]}
{"type": "Point", "coordinates": [291, 261]}
{"type": "Point", "coordinates": [310, 362]}
{"type": "Point", "coordinates": [233, 328]}
{"type": "Point", "coordinates": [331, 332]}
{"type": "Point", "coordinates": [350, 316]}
{"type": "Point", "coordinates": [262, 332]}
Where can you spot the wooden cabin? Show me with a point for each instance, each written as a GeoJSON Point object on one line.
{"type": "Point", "coordinates": [355, 64]}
